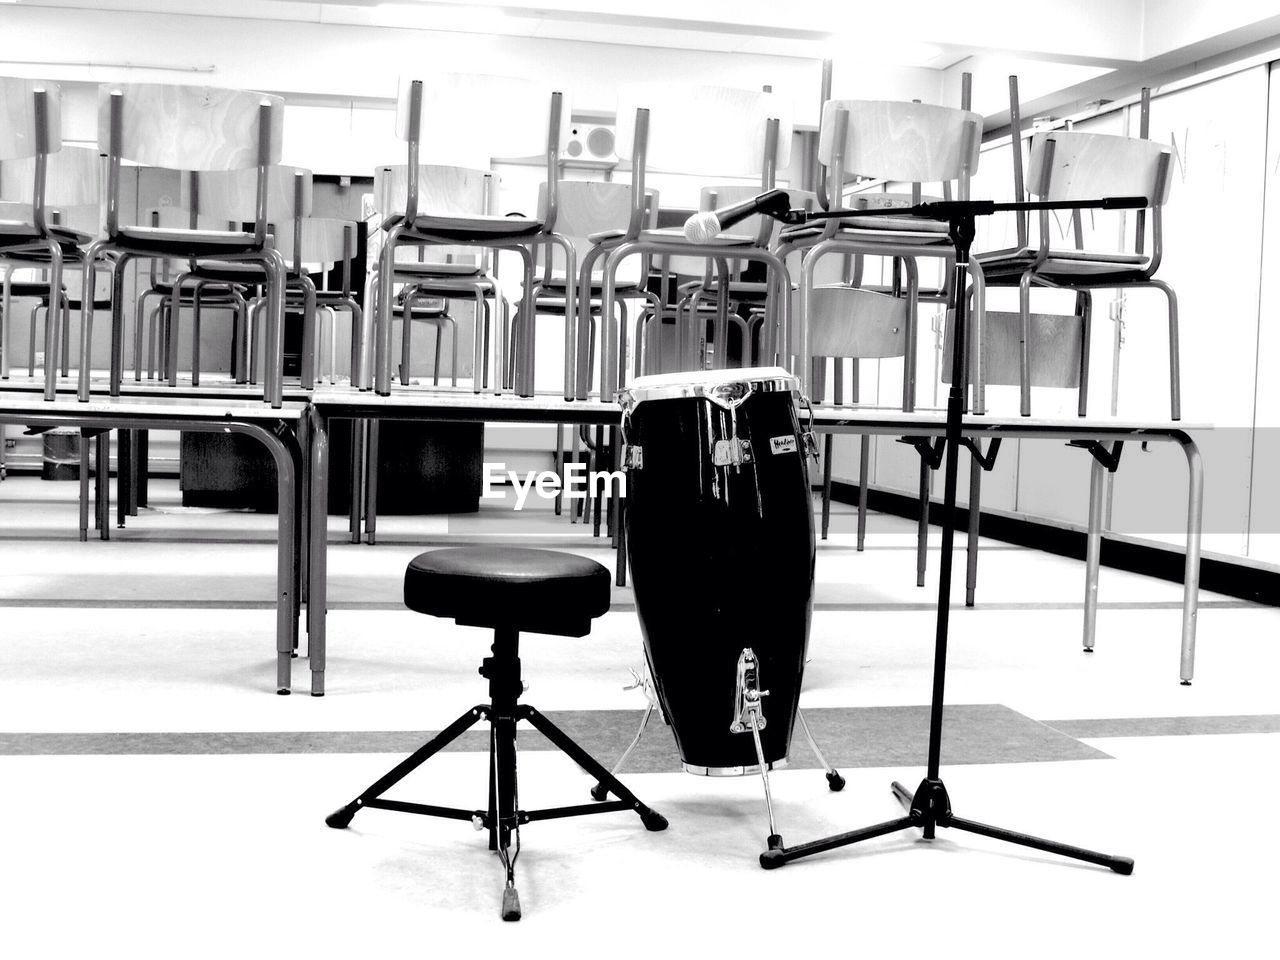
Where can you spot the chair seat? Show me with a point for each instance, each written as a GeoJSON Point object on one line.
{"type": "Point", "coordinates": [436, 269]}
{"type": "Point", "coordinates": [1065, 263]}
{"type": "Point", "coordinates": [472, 229]}
{"type": "Point", "coordinates": [542, 591]}
{"type": "Point", "coordinates": [559, 285]}
{"type": "Point", "coordinates": [894, 230]}
{"type": "Point", "coordinates": [676, 235]}
{"type": "Point", "coordinates": [608, 237]}
{"type": "Point", "coordinates": [177, 242]}
{"type": "Point", "coordinates": [15, 232]}
{"type": "Point", "coordinates": [24, 289]}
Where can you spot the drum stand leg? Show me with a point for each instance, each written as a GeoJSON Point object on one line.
{"type": "Point", "coordinates": [644, 683]}
{"type": "Point", "coordinates": [834, 779]}
{"type": "Point", "coordinates": [749, 717]}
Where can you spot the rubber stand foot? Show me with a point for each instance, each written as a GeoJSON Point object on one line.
{"type": "Point", "coordinates": [1185, 683]}
{"type": "Point", "coordinates": [599, 792]}
{"type": "Point", "coordinates": [835, 781]}
{"type": "Point", "coordinates": [1088, 649]}
{"type": "Point", "coordinates": [1124, 866]}
{"type": "Point", "coordinates": [510, 904]}
{"type": "Point", "coordinates": [775, 856]}
{"type": "Point", "coordinates": [283, 692]}
{"type": "Point", "coordinates": [340, 818]}
{"type": "Point", "coordinates": [653, 820]}
{"type": "Point", "coordinates": [294, 655]}
{"type": "Point", "coordinates": [317, 694]}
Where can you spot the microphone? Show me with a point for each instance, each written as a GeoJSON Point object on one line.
{"type": "Point", "coordinates": [705, 227]}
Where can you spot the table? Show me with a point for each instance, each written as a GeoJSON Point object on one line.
{"type": "Point", "coordinates": [1084, 430]}
{"type": "Point", "coordinates": [337, 403]}
{"type": "Point", "coordinates": [278, 429]}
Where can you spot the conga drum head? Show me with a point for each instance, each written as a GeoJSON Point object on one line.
{"type": "Point", "coordinates": [720, 535]}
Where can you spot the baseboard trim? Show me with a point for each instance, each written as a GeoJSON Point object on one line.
{"type": "Point", "coordinates": [1241, 580]}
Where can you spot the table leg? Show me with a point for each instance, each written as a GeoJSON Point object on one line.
{"type": "Point", "coordinates": [317, 568]}
{"type": "Point", "coordinates": [102, 495]}
{"type": "Point", "coordinates": [975, 515]}
{"type": "Point", "coordinates": [124, 457]}
{"type": "Point", "coordinates": [1093, 554]}
{"type": "Point", "coordinates": [1191, 574]}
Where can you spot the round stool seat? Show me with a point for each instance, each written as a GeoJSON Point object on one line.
{"type": "Point", "coordinates": [542, 591]}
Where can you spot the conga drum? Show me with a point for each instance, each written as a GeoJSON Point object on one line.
{"type": "Point", "coordinates": [719, 527]}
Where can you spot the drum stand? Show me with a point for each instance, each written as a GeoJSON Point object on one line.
{"type": "Point", "coordinates": [929, 807]}
{"type": "Point", "coordinates": [748, 718]}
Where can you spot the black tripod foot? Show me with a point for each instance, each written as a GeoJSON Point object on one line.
{"type": "Point", "coordinates": [510, 903]}
{"type": "Point", "coordinates": [340, 819]}
{"type": "Point", "coordinates": [1186, 683]}
{"type": "Point", "coordinates": [835, 782]}
{"type": "Point", "coordinates": [652, 820]}
{"type": "Point", "coordinates": [776, 855]}
{"type": "Point", "coordinates": [600, 792]}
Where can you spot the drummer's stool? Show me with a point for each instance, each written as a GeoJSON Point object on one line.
{"type": "Point", "coordinates": [508, 591]}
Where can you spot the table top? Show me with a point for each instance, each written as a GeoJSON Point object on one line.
{"type": "Point", "coordinates": [429, 403]}
{"type": "Point", "coordinates": [413, 403]}
{"type": "Point", "coordinates": [13, 403]}
{"type": "Point", "coordinates": [827, 417]}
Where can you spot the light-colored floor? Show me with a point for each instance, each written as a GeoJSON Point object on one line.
{"type": "Point", "coordinates": [196, 854]}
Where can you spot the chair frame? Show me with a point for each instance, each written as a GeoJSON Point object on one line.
{"type": "Point", "coordinates": [262, 251]}
{"type": "Point", "coordinates": [614, 250]}
{"type": "Point", "coordinates": [402, 233]}
{"type": "Point", "coordinates": [1033, 274]}
{"type": "Point", "coordinates": [56, 247]}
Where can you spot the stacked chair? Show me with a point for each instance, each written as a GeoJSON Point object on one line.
{"type": "Point", "coordinates": [195, 129]}
{"type": "Point", "coordinates": [1066, 165]}
{"type": "Point", "coordinates": [31, 130]}
{"type": "Point", "coordinates": [433, 113]}
{"type": "Point", "coordinates": [888, 141]}
{"type": "Point", "coordinates": [741, 133]}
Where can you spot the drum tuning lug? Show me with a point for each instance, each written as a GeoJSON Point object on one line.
{"type": "Point", "coordinates": [732, 452]}
{"type": "Point", "coordinates": [746, 713]}
{"type": "Point", "coordinates": [811, 444]}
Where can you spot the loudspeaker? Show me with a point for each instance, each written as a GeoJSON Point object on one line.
{"type": "Point", "coordinates": [591, 141]}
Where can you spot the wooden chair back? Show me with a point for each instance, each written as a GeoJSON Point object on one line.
{"type": "Point", "coordinates": [587, 207]}
{"type": "Point", "coordinates": [324, 241]}
{"type": "Point", "coordinates": [897, 140]}
{"type": "Point", "coordinates": [1088, 166]}
{"type": "Point", "coordinates": [29, 124]}
{"type": "Point", "coordinates": [704, 130]}
{"type": "Point", "coordinates": [232, 194]}
{"type": "Point", "coordinates": [191, 128]}
{"type": "Point", "coordinates": [471, 119]}
{"type": "Point", "coordinates": [73, 177]}
{"type": "Point", "coordinates": [443, 191]}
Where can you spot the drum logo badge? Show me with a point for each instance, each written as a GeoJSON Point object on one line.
{"type": "Point", "coordinates": [786, 444]}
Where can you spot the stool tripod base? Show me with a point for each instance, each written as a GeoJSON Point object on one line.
{"type": "Point", "coordinates": [928, 808]}
{"type": "Point", "coordinates": [503, 818]}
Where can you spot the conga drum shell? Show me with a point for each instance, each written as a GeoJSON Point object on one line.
{"type": "Point", "coordinates": [722, 558]}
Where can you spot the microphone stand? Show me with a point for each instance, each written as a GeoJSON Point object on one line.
{"type": "Point", "coordinates": [929, 807]}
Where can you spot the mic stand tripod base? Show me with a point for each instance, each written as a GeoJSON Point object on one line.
{"type": "Point", "coordinates": [928, 808]}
